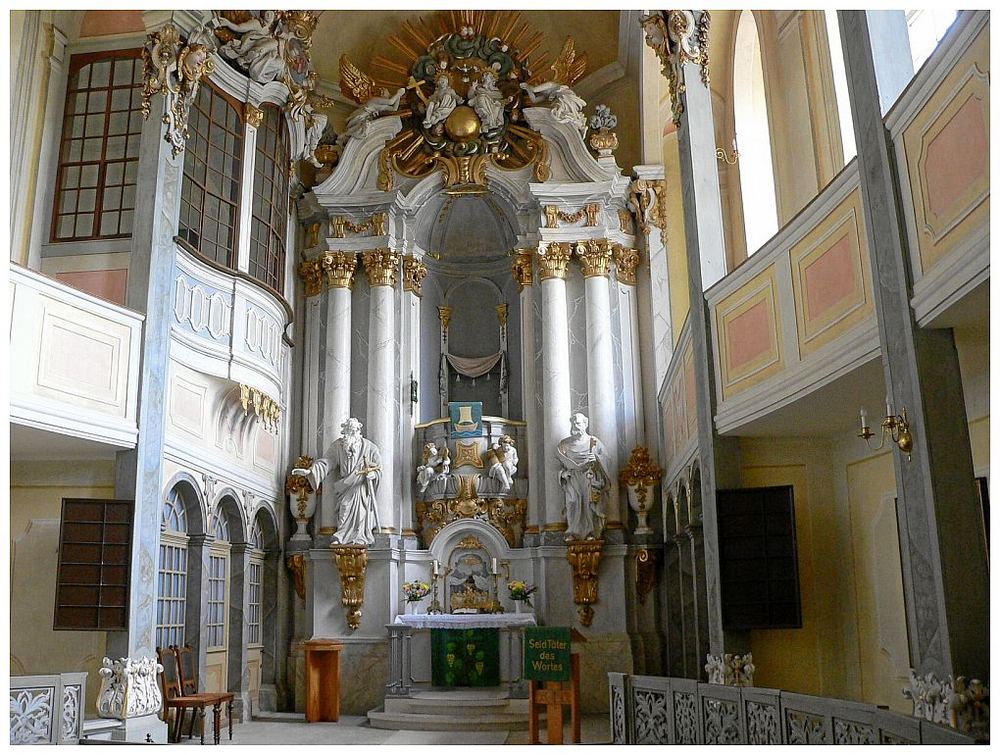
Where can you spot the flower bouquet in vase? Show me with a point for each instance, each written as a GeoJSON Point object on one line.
{"type": "Point", "coordinates": [520, 592]}
{"type": "Point", "coordinates": [414, 592]}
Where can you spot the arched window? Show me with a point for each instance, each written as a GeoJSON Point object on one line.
{"type": "Point", "coordinates": [213, 170]}
{"type": "Point", "coordinates": [218, 585]}
{"type": "Point", "coordinates": [753, 137]}
{"type": "Point", "coordinates": [171, 591]}
{"type": "Point", "coordinates": [99, 151]}
{"type": "Point", "coordinates": [840, 86]}
{"type": "Point", "coordinates": [270, 200]}
{"type": "Point", "coordinates": [254, 584]}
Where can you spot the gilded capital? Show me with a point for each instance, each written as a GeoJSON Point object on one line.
{"type": "Point", "coordinates": [254, 116]}
{"type": "Point", "coordinates": [626, 261]}
{"type": "Point", "coordinates": [522, 267]}
{"type": "Point", "coordinates": [595, 257]}
{"type": "Point", "coordinates": [380, 266]}
{"type": "Point", "coordinates": [444, 315]}
{"type": "Point", "coordinates": [502, 314]}
{"type": "Point", "coordinates": [339, 268]}
{"type": "Point", "coordinates": [555, 261]}
{"type": "Point", "coordinates": [414, 272]}
{"type": "Point", "coordinates": [312, 275]}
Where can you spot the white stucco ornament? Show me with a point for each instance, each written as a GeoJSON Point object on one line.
{"type": "Point", "coordinates": [129, 688]}
{"type": "Point", "coordinates": [567, 105]}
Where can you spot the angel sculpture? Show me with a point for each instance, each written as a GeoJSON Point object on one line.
{"type": "Point", "coordinates": [259, 48]}
{"type": "Point", "coordinates": [375, 107]}
{"type": "Point", "coordinates": [567, 105]}
{"type": "Point", "coordinates": [441, 104]}
{"type": "Point", "coordinates": [436, 466]}
{"type": "Point", "coordinates": [502, 460]}
{"type": "Point", "coordinates": [487, 101]}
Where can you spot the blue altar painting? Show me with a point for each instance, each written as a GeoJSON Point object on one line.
{"type": "Point", "coordinates": [466, 419]}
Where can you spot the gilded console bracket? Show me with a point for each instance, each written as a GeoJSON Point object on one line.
{"type": "Point", "coordinates": [296, 563]}
{"type": "Point", "coordinates": [352, 563]}
{"type": "Point", "coordinates": [584, 557]}
{"type": "Point", "coordinates": [645, 573]}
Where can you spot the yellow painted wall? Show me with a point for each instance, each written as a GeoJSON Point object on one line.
{"type": "Point", "coordinates": [36, 494]}
{"type": "Point", "coordinates": [881, 615]}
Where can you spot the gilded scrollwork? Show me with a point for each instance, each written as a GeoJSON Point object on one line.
{"type": "Point", "coordinates": [376, 224]}
{"type": "Point", "coordinates": [414, 272]}
{"type": "Point", "coordinates": [507, 515]}
{"type": "Point", "coordinates": [522, 267]}
{"type": "Point", "coordinates": [677, 40]}
{"type": "Point", "coordinates": [267, 410]}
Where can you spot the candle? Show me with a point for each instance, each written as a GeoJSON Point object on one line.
{"type": "Point", "coordinates": [495, 570]}
{"type": "Point", "coordinates": [435, 568]}
{"type": "Point", "coordinates": [888, 408]}
{"type": "Point", "coordinates": [864, 417]}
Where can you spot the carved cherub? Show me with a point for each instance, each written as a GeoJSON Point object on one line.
{"type": "Point", "coordinates": [436, 466]}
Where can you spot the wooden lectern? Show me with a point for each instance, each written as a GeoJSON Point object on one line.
{"type": "Point", "coordinates": [323, 680]}
{"type": "Point", "coordinates": [551, 697]}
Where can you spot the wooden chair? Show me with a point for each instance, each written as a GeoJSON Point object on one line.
{"type": "Point", "coordinates": [188, 665]}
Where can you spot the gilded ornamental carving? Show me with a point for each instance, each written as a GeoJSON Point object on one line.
{"type": "Point", "coordinates": [626, 262]}
{"type": "Point", "coordinates": [376, 224]}
{"type": "Point", "coordinates": [381, 266]}
{"type": "Point", "coordinates": [584, 557]}
{"type": "Point", "coordinates": [677, 40]}
{"type": "Point", "coordinates": [505, 514]}
{"type": "Point", "coordinates": [414, 272]}
{"type": "Point", "coordinates": [268, 410]}
{"type": "Point", "coordinates": [555, 261]}
{"type": "Point", "coordinates": [522, 267]}
{"type": "Point", "coordinates": [352, 563]}
{"type": "Point", "coordinates": [595, 257]}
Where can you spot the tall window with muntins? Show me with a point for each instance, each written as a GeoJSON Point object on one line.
{"type": "Point", "coordinates": [213, 170]}
{"type": "Point", "coordinates": [99, 150]}
{"type": "Point", "coordinates": [254, 581]}
{"type": "Point", "coordinates": [218, 562]}
{"type": "Point", "coordinates": [270, 200]}
{"type": "Point", "coordinates": [172, 573]}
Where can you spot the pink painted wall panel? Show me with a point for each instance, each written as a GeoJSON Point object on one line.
{"type": "Point", "coordinates": [830, 278]}
{"type": "Point", "coordinates": [957, 157]}
{"type": "Point", "coordinates": [97, 23]}
{"type": "Point", "coordinates": [107, 284]}
{"type": "Point", "coordinates": [749, 335]}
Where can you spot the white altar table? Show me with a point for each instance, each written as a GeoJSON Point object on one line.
{"type": "Point", "coordinates": [467, 620]}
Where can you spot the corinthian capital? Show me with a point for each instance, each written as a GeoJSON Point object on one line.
{"type": "Point", "coordinates": [381, 266]}
{"type": "Point", "coordinates": [555, 261]}
{"type": "Point", "coordinates": [414, 272]}
{"type": "Point", "coordinates": [522, 267]}
{"type": "Point", "coordinates": [595, 257]}
{"type": "Point", "coordinates": [339, 268]}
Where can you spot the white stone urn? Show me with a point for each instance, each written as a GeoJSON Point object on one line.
{"type": "Point", "coordinates": [640, 476]}
{"type": "Point", "coordinates": [301, 499]}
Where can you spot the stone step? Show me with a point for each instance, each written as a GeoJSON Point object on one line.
{"type": "Point", "coordinates": [278, 716]}
{"type": "Point", "coordinates": [481, 706]}
{"type": "Point", "coordinates": [456, 720]}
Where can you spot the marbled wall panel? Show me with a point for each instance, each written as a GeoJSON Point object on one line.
{"type": "Point", "coordinates": [576, 312]}
{"type": "Point", "coordinates": [359, 348]}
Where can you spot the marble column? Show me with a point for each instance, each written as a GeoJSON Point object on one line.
{"type": "Point", "coordinates": [524, 275]}
{"type": "Point", "coordinates": [414, 272]}
{"type": "Point", "coordinates": [944, 559]}
{"type": "Point", "coordinates": [556, 404]}
{"type": "Point", "coordinates": [680, 51]}
{"type": "Point", "coordinates": [381, 266]}
{"type": "Point", "coordinates": [338, 270]}
{"type": "Point", "coordinates": [595, 259]}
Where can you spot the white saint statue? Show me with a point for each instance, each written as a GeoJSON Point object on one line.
{"type": "Point", "coordinates": [436, 466]}
{"type": "Point", "coordinates": [442, 102]}
{"type": "Point", "coordinates": [487, 101]}
{"type": "Point", "coordinates": [502, 458]}
{"type": "Point", "coordinates": [584, 480]}
{"type": "Point", "coordinates": [567, 105]}
{"type": "Point", "coordinates": [354, 465]}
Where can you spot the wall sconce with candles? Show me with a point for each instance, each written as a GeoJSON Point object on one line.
{"type": "Point", "coordinates": [894, 426]}
{"type": "Point", "coordinates": [721, 154]}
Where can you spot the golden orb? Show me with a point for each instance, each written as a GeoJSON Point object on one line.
{"type": "Point", "coordinates": [463, 124]}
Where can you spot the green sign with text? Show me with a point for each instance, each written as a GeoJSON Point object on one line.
{"type": "Point", "coordinates": [547, 654]}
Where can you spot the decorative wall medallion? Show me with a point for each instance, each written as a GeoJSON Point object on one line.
{"type": "Point", "coordinates": [467, 454]}
{"type": "Point", "coordinates": [584, 557]}
{"type": "Point", "coordinates": [650, 715]}
{"type": "Point", "coordinates": [685, 719]}
{"type": "Point", "coordinates": [460, 82]}
{"type": "Point", "coordinates": [352, 563]}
